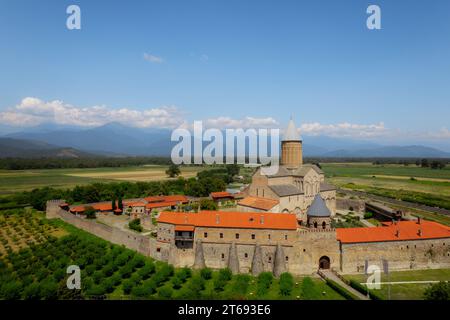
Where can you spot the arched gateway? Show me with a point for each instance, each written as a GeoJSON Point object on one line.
{"type": "Point", "coordinates": [324, 262]}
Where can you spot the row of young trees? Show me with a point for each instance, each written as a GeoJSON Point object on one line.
{"type": "Point", "coordinates": [83, 162]}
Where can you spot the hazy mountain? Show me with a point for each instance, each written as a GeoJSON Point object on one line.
{"type": "Point", "coordinates": [19, 148]}
{"type": "Point", "coordinates": [118, 139]}
{"type": "Point", "coordinates": [110, 138]}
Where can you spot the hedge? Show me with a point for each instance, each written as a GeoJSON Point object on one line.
{"type": "Point", "coordinates": [342, 291]}
{"type": "Point", "coordinates": [359, 287]}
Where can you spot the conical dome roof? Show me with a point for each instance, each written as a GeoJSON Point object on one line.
{"type": "Point", "coordinates": [318, 208]}
{"type": "Point", "coordinates": [291, 133]}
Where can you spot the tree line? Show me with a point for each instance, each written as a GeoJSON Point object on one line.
{"type": "Point", "coordinates": [201, 186]}
{"type": "Point", "coordinates": [65, 163]}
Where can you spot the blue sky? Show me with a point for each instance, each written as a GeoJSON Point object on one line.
{"type": "Point", "coordinates": [231, 62]}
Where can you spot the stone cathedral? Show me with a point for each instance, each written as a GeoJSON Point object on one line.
{"type": "Point", "coordinates": [295, 185]}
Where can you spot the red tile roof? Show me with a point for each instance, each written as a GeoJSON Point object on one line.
{"type": "Point", "coordinates": [221, 194]}
{"type": "Point", "coordinates": [184, 228]}
{"type": "Point", "coordinates": [134, 203]}
{"type": "Point", "coordinates": [179, 198]}
{"type": "Point", "coordinates": [401, 230]}
{"type": "Point", "coordinates": [101, 206]}
{"type": "Point", "coordinates": [163, 204]}
{"type": "Point", "coordinates": [258, 203]}
{"type": "Point", "coordinates": [226, 219]}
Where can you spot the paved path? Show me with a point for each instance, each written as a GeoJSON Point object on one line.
{"type": "Point", "coordinates": [328, 274]}
{"type": "Point", "coordinates": [397, 202]}
{"type": "Point", "coordinates": [402, 282]}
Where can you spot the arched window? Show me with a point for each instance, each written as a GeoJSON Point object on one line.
{"type": "Point", "coordinates": [324, 225]}
{"type": "Point", "coordinates": [315, 224]}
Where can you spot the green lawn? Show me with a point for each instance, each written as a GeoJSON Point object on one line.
{"type": "Point", "coordinates": [407, 291]}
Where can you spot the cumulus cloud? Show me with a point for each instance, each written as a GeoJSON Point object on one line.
{"type": "Point", "coordinates": [345, 129]}
{"type": "Point", "coordinates": [33, 111]}
{"type": "Point", "coordinates": [152, 58]}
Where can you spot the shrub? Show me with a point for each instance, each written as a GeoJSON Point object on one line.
{"type": "Point", "coordinates": [225, 274]}
{"type": "Point", "coordinates": [438, 291]}
{"type": "Point", "coordinates": [206, 273]}
{"type": "Point", "coordinates": [196, 285]}
{"type": "Point", "coordinates": [176, 282]}
{"type": "Point", "coordinates": [147, 270]}
{"type": "Point", "coordinates": [363, 289]}
{"type": "Point", "coordinates": [127, 285]}
{"type": "Point", "coordinates": [165, 292]}
{"type": "Point", "coordinates": [208, 204]}
{"type": "Point", "coordinates": [286, 284]}
{"type": "Point", "coordinates": [240, 285]}
{"type": "Point", "coordinates": [342, 291]}
{"type": "Point", "coordinates": [126, 271]}
{"type": "Point", "coordinates": [368, 215]}
{"type": "Point", "coordinates": [135, 224]}
{"type": "Point", "coordinates": [264, 282]}
{"type": "Point", "coordinates": [222, 279]}
{"type": "Point", "coordinates": [90, 213]}
{"type": "Point", "coordinates": [184, 274]}
{"type": "Point", "coordinates": [163, 274]}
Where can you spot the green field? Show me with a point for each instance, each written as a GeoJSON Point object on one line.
{"type": "Point", "coordinates": [406, 291]}
{"type": "Point", "coordinates": [409, 183]}
{"type": "Point", "coordinates": [37, 269]}
{"type": "Point", "coordinates": [12, 181]}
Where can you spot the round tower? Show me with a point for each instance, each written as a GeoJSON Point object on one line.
{"type": "Point", "coordinates": [291, 147]}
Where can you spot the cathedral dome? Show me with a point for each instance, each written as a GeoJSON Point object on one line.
{"type": "Point", "coordinates": [291, 133]}
{"type": "Point", "coordinates": [318, 208]}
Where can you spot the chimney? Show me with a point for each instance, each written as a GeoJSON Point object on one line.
{"type": "Point", "coordinates": [261, 219]}
{"type": "Point", "coordinates": [418, 220]}
{"type": "Point", "coordinates": [397, 233]}
{"type": "Point", "coordinates": [419, 233]}
{"type": "Point", "coordinates": [217, 218]}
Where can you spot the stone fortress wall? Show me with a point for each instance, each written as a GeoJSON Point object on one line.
{"type": "Point", "coordinates": [129, 239]}
{"type": "Point", "coordinates": [299, 254]}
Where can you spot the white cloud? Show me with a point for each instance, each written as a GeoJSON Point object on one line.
{"type": "Point", "coordinates": [247, 122]}
{"type": "Point", "coordinates": [345, 129]}
{"type": "Point", "coordinates": [444, 133]}
{"type": "Point", "coordinates": [152, 58]}
{"type": "Point", "coordinates": [33, 111]}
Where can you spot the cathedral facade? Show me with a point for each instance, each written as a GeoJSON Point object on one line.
{"type": "Point", "coordinates": [295, 185]}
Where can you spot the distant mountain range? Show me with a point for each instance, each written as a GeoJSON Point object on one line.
{"type": "Point", "coordinates": [115, 139]}
{"type": "Point", "coordinates": [19, 148]}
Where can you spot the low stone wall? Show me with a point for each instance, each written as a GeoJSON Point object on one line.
{"type": "Point", "coordinates": [129, 239]}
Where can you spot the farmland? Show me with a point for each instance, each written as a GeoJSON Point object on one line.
{"type": "Point", "coordinates": [23, 180]}
{"type": "Point", "coordinates": [410, 183]}
{"type": "Point", "coordinates": [108, 271]}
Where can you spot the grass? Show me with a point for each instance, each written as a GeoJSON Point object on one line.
{"type": "Point", "coordinates": [24, 180]}
{"type": "Point", "coordinates": [412, 291]}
